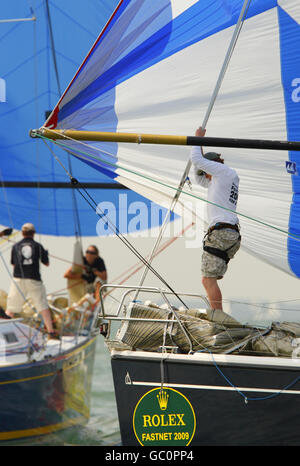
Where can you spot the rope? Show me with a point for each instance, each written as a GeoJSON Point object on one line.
{"type": "Point", "coordinates": [91, 202]}
{"type": "Point", "coordinates": [246, 398]}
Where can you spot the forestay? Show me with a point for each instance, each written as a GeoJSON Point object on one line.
{"type": "Point", "coordinates": [153, 69]}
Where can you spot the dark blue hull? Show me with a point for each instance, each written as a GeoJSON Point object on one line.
{"type": "Point", "coordinates": [44, 397]}
{"type": "Point", "coordinates": [236, 400]}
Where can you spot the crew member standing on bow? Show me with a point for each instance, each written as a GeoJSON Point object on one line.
{"type": "Point", "coordinates": [222, 239]}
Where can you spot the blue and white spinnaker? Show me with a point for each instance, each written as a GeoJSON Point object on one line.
{"type": "Point", "coordinates": [153, 69]}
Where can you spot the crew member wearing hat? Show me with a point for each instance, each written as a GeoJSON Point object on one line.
{"type": "Point", "coordinates": [222, 239]}
{"type": "Point", "coordinates": [25, 258]}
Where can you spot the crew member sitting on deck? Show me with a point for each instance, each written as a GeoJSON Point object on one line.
{"type": "Point", "coordinates": [223, 238]}
{"type": "Point", "coordinates": [94, 270]}
{"type": "Point", "coordinates": [25, 258]}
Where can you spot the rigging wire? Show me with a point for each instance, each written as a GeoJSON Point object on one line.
{"type": "Point", "coordinates": [52, 46]}
{"type": "Point", "coordinates": [91, 202]}
{"type": "Point", "coordinates": [36, 106]}
{"type": "Point", "coordinates": [136, 267]}
{"type": "Point", "coordinates": [74, 200]}
{"type": "Point", "coordinates": [115, 229]}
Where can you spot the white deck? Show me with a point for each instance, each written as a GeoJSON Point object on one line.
{"type": "Point", "coordinates": [16, 338]}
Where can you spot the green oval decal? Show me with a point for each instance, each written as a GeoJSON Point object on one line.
{"type": "Point", "coordinates": [164, 417]}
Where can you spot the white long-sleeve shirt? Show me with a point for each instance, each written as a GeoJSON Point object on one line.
{"type": "Point", "coordinates": [222, 190]}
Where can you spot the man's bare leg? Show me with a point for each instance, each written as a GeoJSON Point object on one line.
{"type": "Point", "coordinates": [213, 292]}
{"type": "Point", "coordinates": [46, 314]}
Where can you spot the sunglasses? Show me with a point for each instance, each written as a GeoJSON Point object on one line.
{"type": "Point", "coordinates": [91, 252]}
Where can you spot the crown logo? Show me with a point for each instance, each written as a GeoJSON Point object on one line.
{"type": "Point", "coordinates": [163, 398]}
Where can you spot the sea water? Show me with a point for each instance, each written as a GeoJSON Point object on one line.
{"type": "Point", "coordinates": [103, 426]}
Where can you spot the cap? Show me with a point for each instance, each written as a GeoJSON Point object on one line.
{"type": "Point", "coordinates": [28, 227]}
{"type": "Point", "coordinates": [211, 156]}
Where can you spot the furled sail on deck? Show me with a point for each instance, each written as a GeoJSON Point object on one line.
{"type": "Point", "coordinates": [153, 69]}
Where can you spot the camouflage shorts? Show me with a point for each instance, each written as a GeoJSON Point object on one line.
{"type": "Point", "coordinates": [213, 266]}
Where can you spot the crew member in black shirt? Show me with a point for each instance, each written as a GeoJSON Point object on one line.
{"type": "Point", "coordinates": [25, 258]}
{"type": "Point", "coordinates": [93, 271]}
